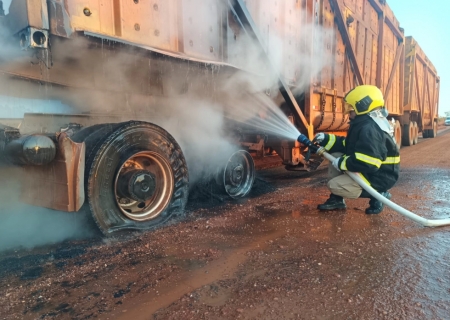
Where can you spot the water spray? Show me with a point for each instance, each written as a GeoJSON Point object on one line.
{"type": "Point", "coordinates": [357, 177]}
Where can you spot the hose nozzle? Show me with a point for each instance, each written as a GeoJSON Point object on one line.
{"type": "Point", "coordinates": [304, 140]}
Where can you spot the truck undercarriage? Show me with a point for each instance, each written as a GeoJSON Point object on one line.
{"type": "Point", "coordinates": [111, 156]}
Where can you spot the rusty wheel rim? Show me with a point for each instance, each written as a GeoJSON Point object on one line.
{"type": "Point", "coordinates": [143, 186]}
{"type": "Point", "coordinates": [239, 174]}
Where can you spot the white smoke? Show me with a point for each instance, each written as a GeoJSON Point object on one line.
{"type": "Point", "coordinates": [199, 129]}
{"type": "Point", "coordinates": [28, 226]}
{"type": "Point", "coordinates": [192, 101]}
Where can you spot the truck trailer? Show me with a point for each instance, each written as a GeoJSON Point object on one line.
{"type": "Point", "coordinates": [121, 66]}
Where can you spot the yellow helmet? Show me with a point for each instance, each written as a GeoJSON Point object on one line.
{"type": "Point", "coordinates": [364, 99]}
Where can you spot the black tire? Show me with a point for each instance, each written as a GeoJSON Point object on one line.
{"type": "Point", "coordinates": [425, 133]}
{"type": "Point", "coordinates": [432, 133]}
{"type": "Point", "coordinates": [93, 137]}
{"type": "Point", "coordinates": [109, 153]}
{"type": "Point", "coordinates": [86, 132]}
{"type": "Point", "coordinates": [238, 175]}
{"type": "Point", "coordinates": [408, 134]}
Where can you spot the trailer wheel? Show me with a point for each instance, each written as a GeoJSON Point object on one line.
{"type": "Point", "coordinates": [416, 133]}
{"type": "Point", "coordinates": [425, 133]}
{"type": "Point", "coordinates": [238, 175]}
{"type": "Point", "coordinates": [408, 134]}
{"type": "Point", "coordinates": [398, 134]}
{"type": "Point", "coordinates": [432, 133]}
{"type": "Point", "coordinates": [138, 178]}
{"type": "Point", "coordinates": [93, 136]}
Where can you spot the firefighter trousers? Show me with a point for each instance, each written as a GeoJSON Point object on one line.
{"type": "Point", "coordinates": [341, 184]}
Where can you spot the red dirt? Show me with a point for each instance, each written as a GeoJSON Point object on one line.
{"type": "Point", "coordinates": [271, 256]}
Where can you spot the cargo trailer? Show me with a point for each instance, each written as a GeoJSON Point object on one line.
{"type": "Point", "coordinates": [421, 94]}
{"type": "Point", "coordinates": [123, 65]}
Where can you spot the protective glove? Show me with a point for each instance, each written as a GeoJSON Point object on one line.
{"type": "Point", "coordinates": [319, 137]}
{"type": "Point", "coordinates": [335, 163]}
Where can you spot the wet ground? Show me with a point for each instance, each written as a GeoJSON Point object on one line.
{"type": "Point", "coordinates": [271, 256]}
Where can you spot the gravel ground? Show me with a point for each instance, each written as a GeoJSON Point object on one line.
{"type": "Point", "coordinates": [270, 256]}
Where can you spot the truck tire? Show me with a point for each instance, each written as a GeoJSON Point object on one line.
{"type": "Point", "coordinates": [432, 133]}
{"type": "Point", "coordinates": [425, 133]}
{"type": "Point", "coordinates": [238, 175]}
{"type": "Point", "coordinates": [408, 134]}
{"type": "Point", "coordinates": [92, 137]}
{"type": "Point", "coordinates": [416, 133]}
{"type": "Point", "coordinates": [137, 177]}
{"type": "Point", "coordinates": [398, 134]}
{"type": "Point", "coordinates": [89, 133]}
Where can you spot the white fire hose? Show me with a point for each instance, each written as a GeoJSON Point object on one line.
{"type": "Point", "coordinates": [356, 176]}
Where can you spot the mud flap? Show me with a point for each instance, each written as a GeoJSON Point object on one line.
{"type": "Point", "coordinates": [59, 185]}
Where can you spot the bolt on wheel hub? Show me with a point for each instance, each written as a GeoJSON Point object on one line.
{"type": "Point", "coordinates": [144, 186]}
{"type": "Point", "coordinates": [138, 185]}
{"type": "Point", "coordinates": [237, 175]}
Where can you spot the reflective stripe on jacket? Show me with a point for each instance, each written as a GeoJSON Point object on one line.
{"type": "Point", "coordinates": [368, 150]}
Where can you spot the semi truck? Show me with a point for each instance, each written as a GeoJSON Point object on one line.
{"type": "Point", "coordinates": [123, 80]}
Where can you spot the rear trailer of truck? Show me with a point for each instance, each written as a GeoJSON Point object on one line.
{"type": "Point", "coordinates": [422, 85]}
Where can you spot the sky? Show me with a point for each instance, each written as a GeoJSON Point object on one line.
{"type": "Point", "coordinates": [427, 22]}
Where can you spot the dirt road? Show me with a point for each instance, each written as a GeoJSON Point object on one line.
{"type": "Point", "coordinates": [271, 256]}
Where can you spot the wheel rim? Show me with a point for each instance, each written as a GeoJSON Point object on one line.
{"type": "Point", "coordinates": [239, 174]}
{"type": "Point", "coordinates": [416, 133]}
{"type": "Point", "coordinates": [143, 186]}
{"type": "Point", "coordinates": [411, 133]}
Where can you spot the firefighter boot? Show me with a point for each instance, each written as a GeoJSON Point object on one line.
{"type": "Point", "coordinates": [375, 206]}
{"type": "Point", "coordinates": [333, 202]}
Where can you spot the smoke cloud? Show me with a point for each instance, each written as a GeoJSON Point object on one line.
{"type": "Point", "coordinates": [195, 102]}
{"type": "Point", "coordinates": [27, 226]}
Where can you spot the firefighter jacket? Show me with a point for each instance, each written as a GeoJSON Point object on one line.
{"type": "Point", "coordinates": [368, 150]}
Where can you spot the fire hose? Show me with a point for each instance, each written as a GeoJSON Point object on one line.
{"type": "Point", "coordinates": [321, 151]}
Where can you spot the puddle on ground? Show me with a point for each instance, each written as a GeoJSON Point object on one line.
{"type": "Point", "coordinates": [420, 272]}
{"type": "Point", "coordinates": [191, 279]}
{"type": "Point", "coordinates": [439, 192]}
{"type": "Point", "coordinates": [392, 266]}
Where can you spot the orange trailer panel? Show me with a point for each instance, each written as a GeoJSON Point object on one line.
{"type": "Point", "coordinates": [421, 85]}
{"type": "Point", "coordinates": [358, 41]}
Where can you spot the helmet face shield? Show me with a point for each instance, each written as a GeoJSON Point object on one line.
{"type": "Point", "coordinates": [364, 99]}
{"type": "Point", "coordinates": [379, 113]}
{"type": "Point", "coordinates": [384, 112]}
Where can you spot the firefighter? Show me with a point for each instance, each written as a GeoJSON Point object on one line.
{"type": "Point", "coordinates": [369, 148]}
